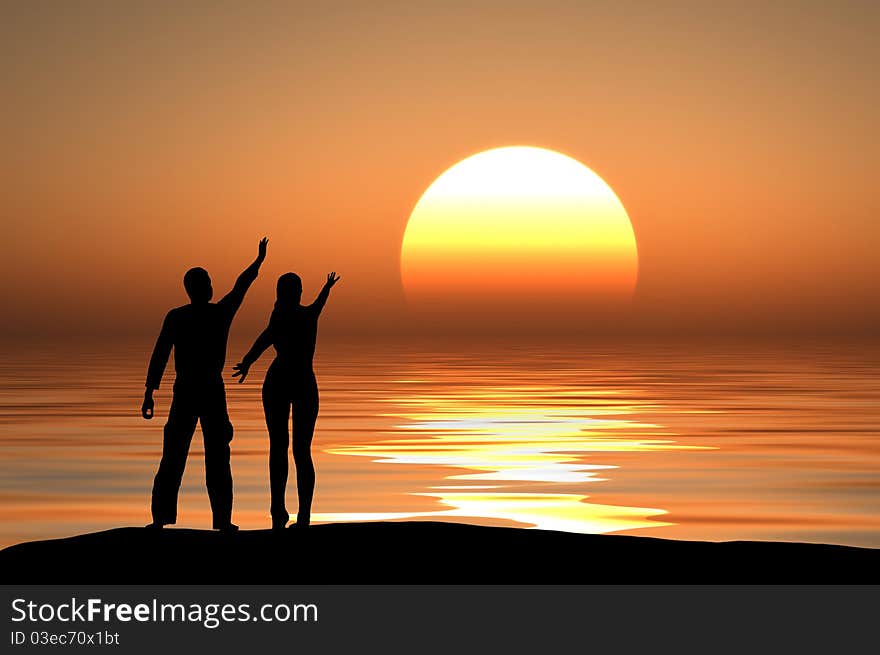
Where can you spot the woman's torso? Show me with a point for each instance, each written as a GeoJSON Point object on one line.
{"type": "Point", "coordinates": [294, 334]}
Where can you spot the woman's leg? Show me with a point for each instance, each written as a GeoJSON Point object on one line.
{"type": "Point", "coordinates": [276, 407]}
{"type": "Point", "coordinates": [305, 413]}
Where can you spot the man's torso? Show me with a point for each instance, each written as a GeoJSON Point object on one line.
{"type": "Point", "coordinates": [199, 335]}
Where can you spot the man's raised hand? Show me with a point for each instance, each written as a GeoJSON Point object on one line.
{"type": "Point", "coordinates": [262, 248]}
{"type": "Point", "coordinates": [332, 279]}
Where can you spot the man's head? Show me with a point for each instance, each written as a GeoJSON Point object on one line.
{"type": "Point", "coordinates": [289, 289]}
{"type": "Point", "coordinates": [197, 283]}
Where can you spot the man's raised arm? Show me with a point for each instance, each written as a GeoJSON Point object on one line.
{"type": "Point", "coordinates": [234, 298]}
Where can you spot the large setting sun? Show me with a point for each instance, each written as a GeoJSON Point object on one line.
{"type": "Point", "coordinates": [510, 222]}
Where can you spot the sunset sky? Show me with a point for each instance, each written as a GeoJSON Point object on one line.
{"type": "Point", "coordinates": [138, 142]}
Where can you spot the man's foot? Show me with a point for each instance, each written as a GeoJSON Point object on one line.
{"type": "Point", "coordinates": [302, 521]}
{"type": "Point", "coordinates": [279, 524]}
{"type": "Point", "coordinates": [155, 525]}
{"type": "Point", "coordinates": [229, 527]}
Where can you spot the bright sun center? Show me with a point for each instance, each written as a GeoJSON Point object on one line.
{"type": "Point", "coordinates": [514, 223]}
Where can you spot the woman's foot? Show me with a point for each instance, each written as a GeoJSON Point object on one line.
{"type": "Point", "coordinates": [279, 524]}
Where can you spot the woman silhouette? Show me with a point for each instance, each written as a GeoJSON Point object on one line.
{"type": "Point", "coordinates": [290, 381]}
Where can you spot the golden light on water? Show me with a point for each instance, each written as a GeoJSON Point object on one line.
{"type": "Point", "coordinates": [565, 512]}
{"type": "Point", "coordinates": [515, 220]}
{"type": "Point", "coordinates": [581, 440]}
{"type": "Point", "coordinates": [503, 439]}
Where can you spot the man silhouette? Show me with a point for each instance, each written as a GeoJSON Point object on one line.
{"type": "Point", "coordinates": [198, 332]}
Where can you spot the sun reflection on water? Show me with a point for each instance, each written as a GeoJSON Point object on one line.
{"type": "Point", "coordinates": [517, 438]}
{"type": "Point", "coordinates": [557, 436]}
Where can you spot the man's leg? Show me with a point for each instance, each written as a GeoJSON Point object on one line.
{"type": "Point", "coordinates": [217, 431]}
{"type": "Point", "coordinates": [175, 447]}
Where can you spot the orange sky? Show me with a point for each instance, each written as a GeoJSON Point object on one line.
{"type": "Point", "coordinates": [140, 142]}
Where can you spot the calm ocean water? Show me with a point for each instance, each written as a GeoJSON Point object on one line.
{"type": "Point", "coordinates": [716, 441]}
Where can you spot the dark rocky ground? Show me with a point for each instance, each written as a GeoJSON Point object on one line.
{"type": "Point", "coordinates": [422, 552]}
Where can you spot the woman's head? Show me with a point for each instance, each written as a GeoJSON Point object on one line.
{"type": "Point", "coordinates": [289, 290]}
